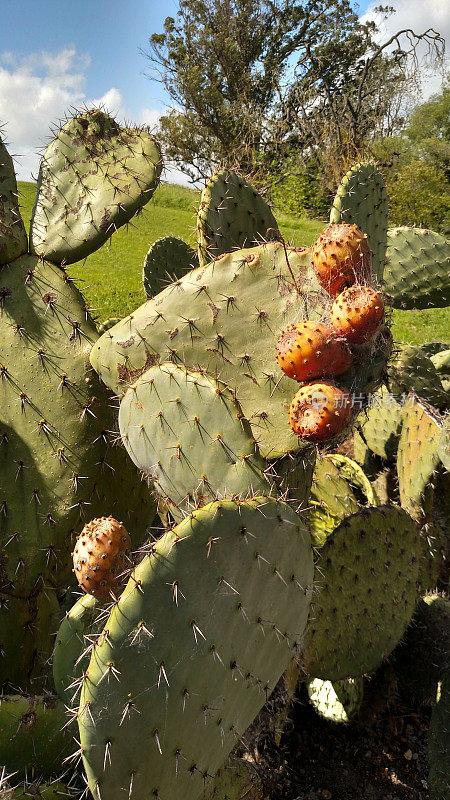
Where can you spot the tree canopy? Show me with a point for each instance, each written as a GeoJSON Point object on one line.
{"type": "Point", "coordinates": [253, 81]}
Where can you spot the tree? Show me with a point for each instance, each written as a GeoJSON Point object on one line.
{"type": "Point", "coordinates": [416, 165]}
{"type": "Point", "coordinates": [428, 129]}
{"type": "Point", "coordinates": [254, 82]}
{"type": "Point", "coordinates": [224, 64]}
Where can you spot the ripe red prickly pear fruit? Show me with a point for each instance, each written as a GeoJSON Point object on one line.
{"type": "Point", "coordinates": [341, 257]}
{"type": "Point", "coordinates": [356, 313]}
{"type": "Point", "coordinates": [311, 350]}
{"type": "Point", "coordinates": [320, 410]}
{"type": "Point", "coordinates": [102, 556]}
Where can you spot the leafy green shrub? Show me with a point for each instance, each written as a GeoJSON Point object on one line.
{"type": "Point", "coordinates": [419, 194]}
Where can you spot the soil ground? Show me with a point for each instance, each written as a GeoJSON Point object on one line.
{"type": "Point", "coordinates": [382, 755]}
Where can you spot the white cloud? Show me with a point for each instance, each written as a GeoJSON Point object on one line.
{"type": "Point", "coordinates": [39, 90]}
{"type": "Point", "coordinates": [418, 15]}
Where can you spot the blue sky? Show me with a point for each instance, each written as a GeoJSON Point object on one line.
{"type": "Point", "coordinates": [55, 55]}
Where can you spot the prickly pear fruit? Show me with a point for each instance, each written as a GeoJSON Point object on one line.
{"type": "Point", "coordinates": [357, 313]}
{"type": "Point", "coordinates": [311, 350]}
{"type": "Point", "coordinates": [341, 257]}
{"type": "Point", "coordinates": [320, 410]}
{"type": "Point", "coordinates": [101, 556]}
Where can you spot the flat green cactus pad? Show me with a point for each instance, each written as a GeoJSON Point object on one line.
{"type": "Point", "coordinates": [232, 215]}
{"type": "Point", "coordinates": [27, 627]}
{"type": "Point", "coordinates": [225, 319]}
{"type": "Point", "coordinates": [58, 462]}
{"type": "Point", "coordinates": [93, 178]}
{"type": "Point", "coordinates": [367, 580]}
{"type": "Point", "coordinates": [441, 361]}
{"type": "Point", "coordinates": [380, 424]}
{"type": "Point", "coordinates": [200, 636]}
{"type": "Point", "coordinates": [188, 434]}
{"type": "Point", "coordinates": [68, 665]}
{"type": "Point", "coordinates": [336, 701]}
{"type": "Point", "coordinates": [423, 658]}
{"type": "Point", "coordinates": [167, 260]}
{"type": "Point", "coordinates": [55, 790]}
{"type": "Point", "coordinates": [236, 780]}
{"type": "Point", "coordinates": [412, 370]}
{"type": "Point", "coordinates": [13, 238]}
{"type": "Point", "coordinates": [32, 735]}
{"type": "Point", "coordinates": [439, 743]}
{"type": "Point", "coordinates": [361, 200]}
{"type": "Point", "coordinates": [417, 268]}
{"type": "Point", "coordinates": [55, 448]}
{"type": "Point", "coordinates": [444, 444]}
{"type": "Point", "coordinates": [332, 499]}
{"type": "Point", "coordinates": [418, 453]}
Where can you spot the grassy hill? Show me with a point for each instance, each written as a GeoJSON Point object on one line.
{"type": "Point", "coordinates": [111, 278]}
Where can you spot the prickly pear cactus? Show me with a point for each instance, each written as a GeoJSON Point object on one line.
{"type": "Point", "coordinates": [337, 701]}
{"type": "Point", "coordinates": [70, 644]}
{"type": "Point", "coordinates": [58, 463]}
{"type": "Point", "coordinates": [339, 488]}
{"type": "Point", "coordinates": [411, 370]}
{"type": "Point", "coordinates": [33, 734]}
{"type": "Point", "coordinates": [13, 238]}
{"type": "Point", "coordinates": [367, 574]}
{"type": "Point", "coordinates": [423, 658]}
{"type": "Point", "coordinates": [439, 743]}
{"type": "Point", "coordinates": [93, 178]}
{"type": "Point", "coordinates": [187, 433]}
{"type": "Point", "coordinates": [418, 454]}
{"type": "Point", "coordinates": [361, 199]}
{"type": "Point", "coordinates": [52, 790]}
{"type": "Point", "coordinates": [232, 215]}
{"type": "Point", "coordinates": [417, 268]}
{"type": "Point", "coordinates": [207, 624]}
{"type": "Point", "coordinates": [167, 260]}
{"type": "Point", "coordinates": [225, 318]}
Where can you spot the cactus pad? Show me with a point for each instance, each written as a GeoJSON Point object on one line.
{"type": "Point", "coordinates": [13, 239]}
{"type": "Point", "coordinates": [166, 261]}
{"type": "Point", "coordinates": [332, 499]}
{"type": "Point", "coordinates": [411, 370]}
{"type": "Point", "coordinates": [232, 215]}
{"type": "Point", "coordinates": [70, 644]}
{"type": "Point", "coordinates": [93, 177]}
{"type": "Point", "coordinates": [337, 701]}
{"type": "Point", "coordinates": [423, 658]}
{"type": "Point", "coordinates": [418, 453]}
{"type": "Point", "coordinates": [202, 633]}
{"type": "Point", "coordinates": [225, 318]}
{"type": "Point", "coordinates": [367, 577]}
{"type": "Point", "coordinates": [361, 200]}
{"type": "Point", "coordinates": [187, 432]}
{"type": "Point", "coordinates": [417, 268]}
{"type": "Point", "coordinates": [439, 743]}
{"type": "Point", "coordinates": [32, 735]}
{"type": "Point", "coordinates": [56, 455]}
{"type": "Point", "coordinates": [380, 425]}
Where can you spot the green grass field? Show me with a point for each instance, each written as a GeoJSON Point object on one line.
{"type": "Point", "coordinates": [111, 278]}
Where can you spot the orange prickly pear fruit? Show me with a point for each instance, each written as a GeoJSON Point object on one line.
{"type": "Point", "coordinates": [102, 556]}
{"type": "Point", "coordinates": [341, 257]}
{"type": "Point", "coordinates": [311, 349]}
{"type": "Point", "coordinates": [320, 410]}
{"type": "Point", "coordinates": [356, 313]}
